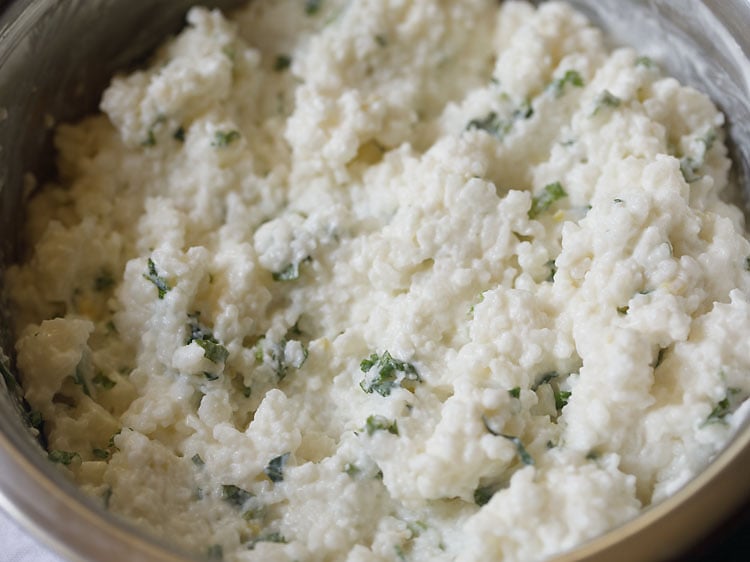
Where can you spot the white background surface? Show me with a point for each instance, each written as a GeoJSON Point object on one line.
{"type": "Point", "coordinates": [18, 546]}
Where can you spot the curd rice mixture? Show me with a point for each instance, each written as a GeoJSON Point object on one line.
{"type": "Point", "coordinates": [375, 280]}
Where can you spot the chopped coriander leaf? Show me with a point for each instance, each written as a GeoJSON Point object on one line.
{"type": "Point", "coordinates": [644, 61]}
{"type": "Point", "coordinates": [312, 7]}
{"type": "Point", "coordinates": [210, 376]}
{"type": "Point", "coordinates": [234, 495]}
{"type": "Point", "coordinates": [572, 77]}
{"type": "Point", "coordinates": [606, 99]}
{"type": "Point", "coordinates": [623, 309]}
{"type": "Point", "coordinates": [545, 379]}
{"type": "Point", "coordinates": [552, 270]}
{"type": "Point", "coordinates": [102, 454]}
{"type": "Point", "coordinates": [197, 330]}
{"type": "Point", "coordinates": [197, 460]}
{"type": "Point", "coordinates": [179, 134]}
{"type": "Point", "coordinates": [215, 553]}
{"type": "Point", "coordinates": [150, 139]}
{"type": "Point", "coordinates": [542, 202]}
{"type": "Point", "coordinates": [747, 263]}
{"type": "Point", "coordinates": [387, 373]}
{"type": "Point", "coordinates": [289, 273]}
{"type": "Point", "coordinates": [719, 412]}
{"type": "Point", "coordinates": [275, 468]}
{"type": "Point", "coordinates": [351, 469]}
{"type": "Point", "coordinates": [380, 423]}
{"type": "Point", "coordinates": [561, 398]}
{"type": "Point", "coordinates": [214, 352]}
{"type": "Point", "coordinates": [62, 457]}
{"type": "Point", "coordinates": [690, 168]}
{"type": "Point", "coordinates": [246, 391]}
{"type": "Point", "coordinates": [491, 124]}
{"type": "Point", "coordinates": [381, 40]}
{"type": "Point", "coordinates": [229, 51]}
{"type": "Point", "coordinates": [592, 455]}
{"type": "Point", "coordinates": [34, 418]}
{"type": "Point", "coordinates": [515, 392]}
{"type": "Point", "coordinates": [282, 63]}
{"type": "Point", "coordinates": [523, 111]}
{"type": "Point", "coordinates": [278, 360]}
{"type": "Point", "coordinates": [103, 381]}
{"type": "Point", "coordinates": [224, 138]}
{"type": "Point", "coordinates": [483, 495]}
{"type": "Point", "coordinates": [708, 139]}
{"type": "Point", "coordinates": [103, 281]}
{"type": "Point", "coordinates": [270, 537]}
{"type": "Point", "coordinates": [80, 380]}
{"type": "Point", "coordinates": [161, 284]}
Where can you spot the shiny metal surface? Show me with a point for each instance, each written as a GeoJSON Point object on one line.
{"type": "Point", "coordinates": [55, 58]}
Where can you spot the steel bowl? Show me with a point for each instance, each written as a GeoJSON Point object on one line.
{"type": "Point", "coordinates": [56, 57]}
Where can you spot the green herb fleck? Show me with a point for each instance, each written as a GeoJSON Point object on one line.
{"type": "Point", "coordinates": [269, 537]}
{"type": "Point", "coordinates": [224, 138]}
{"type": "Point", "coordinates": [275, 468]}
{"type": "Point", "coordinates": [605, 99]}
{"type": "Point", "coordinates": [623, 309]}
{"type": "Point", "coordinates": [282, 63]}
{"type": "Point", "coordinates": [552, 270]}
{"type": "Point", "coordinates": [215, 553]}
{"type": "Point", "coordinates": [520, 449]}
{"type": "Point", "coordinates": [247, 391]}
{"type": "Point", "coordinates": [572, 77]}
{"type": "Point", "coordinates": [213, 351]}
{"type": "Point", "coordinates": [352, 469]}
{"type": "Point", "coordinates": [483, 495]}
{"type": "Point", "coordinates": [34, 418]}
{"type": "Point", "coordinates": [161, 284]}
{"type": "Point", "coordinates": [515, 392]}
{"type": "Point", "coordinates": [179, 134]}
{"type": "Point", "coordinates": [288, 273]}
{"type": "Point", "coordinates": [101, 454]}
{"type": "Point", "coordinates": [552, 192]}
{"type": "Point", "coordinates": [690, 168]}
{"type": "Point", "coordinates": [380, 423]}
{"type": "Point", "coordinates": [561, 398]}
{"type": "Point", "coordinates": [388, 373]}
{"type": "Point", "coordinates": [546, 378]}
{"type": "Point", "coordinates": [381, 40]}
{"type": "Point", "coordinates": [80, 380]}
{"type": "Point", "coordinates": [234, 495]}
{"type": "Point", "coordinates": [644, 61]}
{"type": "Point", "coordinates": [62, 457]}
{"type": "Point", "coordinates": [660, 356]}
{"type": "Point", "coordinates": [150, 139]}
{"type": "Point", "coordinates": [747, 263]}
{"type": "Point", "coordinates": [103, 281]}
{"type": "Point", "coordinates": [103, 381]}
{"type": "Point", "coordinates": [197, 460]}
{"type": "Point", "coordinates": [312, 7]}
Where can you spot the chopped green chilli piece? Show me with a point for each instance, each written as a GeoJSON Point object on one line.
{"type": "Point", "coordinates": [380, 423]}
{"type": "Point", "coordinates": [552, 192]}
{"type": "Point", "coordinates": [225, 138]}
{"type": "Point", "coordinates": [234, 495]}
{"type": "Point", "coordinates": [161, 284]}
{"type": "Point", "coordinates": [275, 468]}
{"type": "Point", "coordinates": [572, 77]}
{"type": "Point", "coordinates": [62, 457]}
{"type": "Point", "coordinates": [384, 373]}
